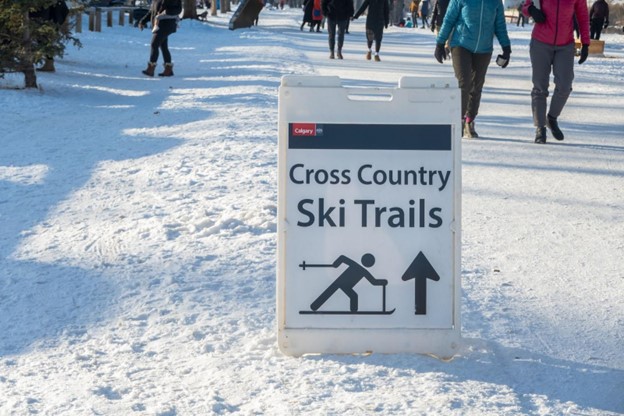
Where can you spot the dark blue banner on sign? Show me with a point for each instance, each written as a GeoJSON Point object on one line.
{"type": "Point", "coordinates": [369, 136]}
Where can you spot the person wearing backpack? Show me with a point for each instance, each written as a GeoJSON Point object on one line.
{"type": "Point", "coordinates": [164, 15]}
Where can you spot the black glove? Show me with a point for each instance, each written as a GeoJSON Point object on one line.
{"type": "Point", "coordinates": [537, 15]}
{"type": "Point", "coordinates": [433, 27]}
{"type": "Point", "coordinates": [503, 60]}
{"type": "Point", "coordinates": [584, 53]}
{"type": "Point", "coordinates": [440, 52]}
{"type": "Point", "coordinates": [606, 25]}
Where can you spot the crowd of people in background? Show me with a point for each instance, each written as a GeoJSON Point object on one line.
{"type": "Point", "coordinates": [465, 32]}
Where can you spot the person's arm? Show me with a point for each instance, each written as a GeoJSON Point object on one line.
{"type": "Point", "coordinates": [361, 9]}
{"type": "Point", "coordinates": [342, 260]}
{"type": "Point", "coordinates": [582, 15]}
{"type": "Point", "coordinates": [386, 11]}
{"type": "Point", "coordinates": [500, 27]}
{"type": "Point", "coordinates": [375, 282]}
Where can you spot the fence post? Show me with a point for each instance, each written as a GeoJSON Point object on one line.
{"type": "Point", "coordinates": [98, 20]}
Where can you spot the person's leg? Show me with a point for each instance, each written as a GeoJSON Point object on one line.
{"type": "Point", "coordinates": [563, 71]}
{"type": "Point", "coordinates": [331, 36]}
{"type": "Point", "coordinates": [370, 38]}
{"type": "Point", "coordinates": [378, 38]}
{"type": "Point", "coordinates": [353, 299]}
{"type": "Point", "coordinates": [164, 47]}
{"type": "Point", "coordinates": [542, 56]}
{"type": "Point", "coordinates": [462, 64]}
{"type": "Point", "coordinates": [157, 39]}
{"type": "Point", "coordinates": [480, 63]}
{"type": "Point", "coordinates": [342, 28]}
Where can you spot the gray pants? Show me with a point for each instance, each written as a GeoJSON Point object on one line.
{"type": "Point", "coordinates": [561, 60]}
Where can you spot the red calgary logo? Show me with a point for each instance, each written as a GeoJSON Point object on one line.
{"type": "Point", "coordinates": [304, 129]}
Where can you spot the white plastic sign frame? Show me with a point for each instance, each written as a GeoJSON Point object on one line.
{"type": "Point", "coordinates": [369, 208]}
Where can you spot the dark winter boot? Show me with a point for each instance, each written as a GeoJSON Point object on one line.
{"type": "Point", "coordinates": [540, 135]}
{"type": "Point", "coordinates": [149, 71]}
{"type": "Point", "coordinates": [339, 54]}
{"type": "Point", "coordinates": [331, 55]}
{"type": "Point", "coordinates": [48, 66]}
{"type": "Point", "coordinates": [168, 72]}
{"type": "Point", "coordinates": [554, 127]}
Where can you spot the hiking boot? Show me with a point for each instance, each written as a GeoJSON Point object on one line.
{"type": "Point", "coordinates": [331, 55]}
{"type": "Point", "coordinates": [554, 127]}
{"type": "Point", "coordinates": [469, 130]}
{"type": "Point", "coordinates": [339, 55]}
{"type": "Point", "coordinates": [168, 72]}
{"type": "Point", "coordinates": [368, 55]}
{"type": "Point", "coordinates": [377, 58]}
{"type": "Point", "coordinates": [149, 71]}
{"type": "Point", "coordinates": [540, 135]}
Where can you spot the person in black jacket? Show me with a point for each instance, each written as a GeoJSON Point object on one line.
{"type": "Point", "coordinates": [598, 18]}
{"type": "Point", "coordinates": [377, 18]}
{"type": "Point", "coordinates": [338, 13]}
{"type": "Point", "coordinates": [164, 17]}
{"type": "Point", "coordinates": [437, 16]}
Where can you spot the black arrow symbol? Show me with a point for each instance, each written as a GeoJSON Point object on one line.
{"type": "Point", "coordinates": [420, 270]}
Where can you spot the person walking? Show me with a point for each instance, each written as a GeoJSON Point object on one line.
{"type": "Point", "coordinates": [338, 14]}
{"type": "Point", "coordinates": [552, 49]}
{"type": "Point", "coordinates": [164, 15]}
{"type": "Point", "coordinates": [317, 16]}
{"type": "Point", "coordinates": [521, 18]}
{"type": "Point", "coordinates": [598, 18]}
{"type": "Point", "coordinates": [308, 6]}
{"type": "Point", "coordinates": [473, 24]}
{"type": "Point", "coordinates": [414, 8]}
{"type": "Point", "coordinates": [437, 14]}
{"type": "Point", "coordinates": [424, 13]}
{"type": "Point", "coordinates": [377, 18]}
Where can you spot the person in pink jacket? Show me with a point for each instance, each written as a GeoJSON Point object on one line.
{"type": "Point", "coordinates": [552, 48]}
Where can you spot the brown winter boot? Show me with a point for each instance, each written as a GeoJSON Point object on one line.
{"type": "Point", "coordinates": [149, 71]}
{"type": "Point", "coordinates": [48, 66]}
{"type": "Point", "coordinates": [168, 72]}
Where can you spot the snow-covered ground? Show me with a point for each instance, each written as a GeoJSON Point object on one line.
{"type": "Point", "coordinates": [138, 236]}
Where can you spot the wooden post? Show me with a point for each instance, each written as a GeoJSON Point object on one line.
{"type": "Point", "coordinates": [98, 20]}
{"type": "Point", "coordinates": [122, 13]}
{"type": "Point", "coordinates": [78, 26]}
{"type": "Point", "coordinates": [109, 18]}
{"type": "Point", "coordinates": [91, 20]}
{"type": "Point", "coordinates": [131, 17]}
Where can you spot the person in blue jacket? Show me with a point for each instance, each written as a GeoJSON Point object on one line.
{"type": "Point", "coordinates": [471, 26]}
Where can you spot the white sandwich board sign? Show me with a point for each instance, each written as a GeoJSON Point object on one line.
{"type": "Point", "coordinates": [368, 217]}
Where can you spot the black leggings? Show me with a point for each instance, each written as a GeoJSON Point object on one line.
{"type": "Point", "coordinates": [159, 40]}
{"type": "Point", "coordinates": [374, 35]}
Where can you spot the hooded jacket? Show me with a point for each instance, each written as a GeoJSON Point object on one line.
{"type": "Point", "coordinates": [337, 9]}
{"type": "Point", "coordinates": [558, 29]}
{"type": "Point", "coordinates": [476, 22]}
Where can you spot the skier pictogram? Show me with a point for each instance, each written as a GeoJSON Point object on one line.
{"type": "Point", "coordinates": [346, 282]}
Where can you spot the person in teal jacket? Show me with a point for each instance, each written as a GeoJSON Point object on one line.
{"type": "Point", "coordinates": [471, 26]}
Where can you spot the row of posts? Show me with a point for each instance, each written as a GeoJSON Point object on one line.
{"type": "Point", "coordinates": [95, 18]}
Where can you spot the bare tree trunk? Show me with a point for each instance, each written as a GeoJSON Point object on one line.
{"type": "Point", "coordinates": [225, 6]}
{"type": "Point", "coordinates": [27, 61]}
{"type": "Point", "coordinates": [190, 9]}
{"type": "Point", "coordinates": [213, 7]}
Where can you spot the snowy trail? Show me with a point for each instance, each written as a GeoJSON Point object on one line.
{"type": "Point", "coordinates": [137, 269]}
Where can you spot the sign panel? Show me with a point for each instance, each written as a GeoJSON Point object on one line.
{"type": "Point", "coordinates": [368, 241]}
